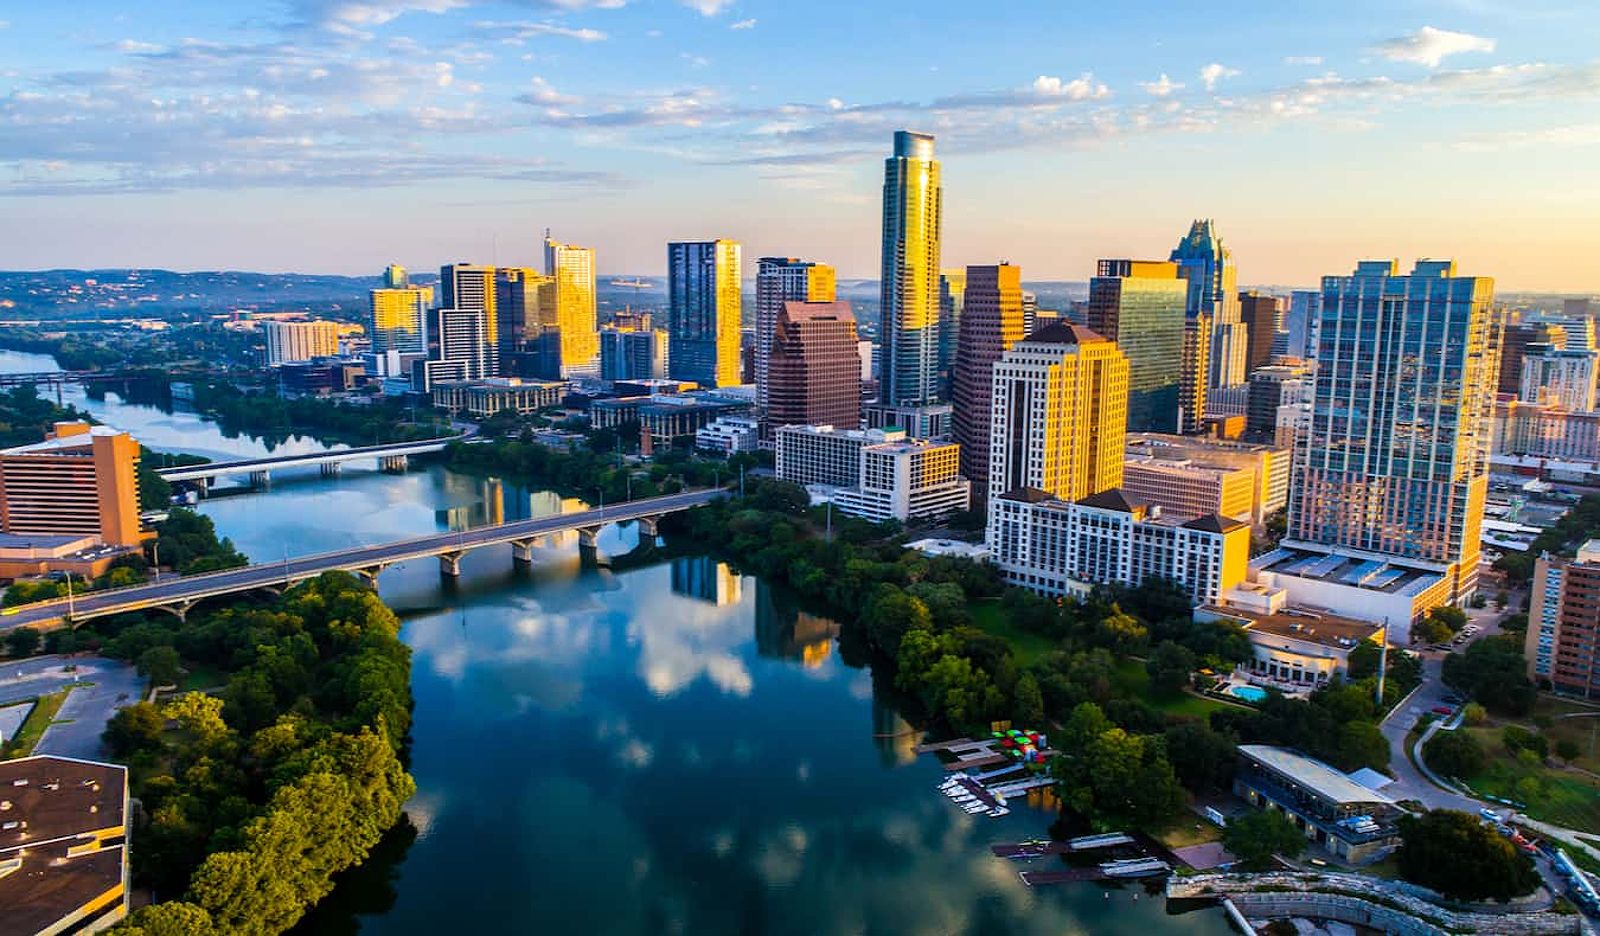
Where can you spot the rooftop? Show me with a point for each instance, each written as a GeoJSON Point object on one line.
{"type": "Point", "coordinates": [1312, 775]}
{"type": "Point", "coordinates": [1063, 333]}
{"type": "Point", "coordinates": [64, 444]}
{"type": "Point", "coordinates": [59, 806]}
{"type": "Point", "coordinates": [1385, 575]}
{"type": "Point", "coordinates": [1319, 627]}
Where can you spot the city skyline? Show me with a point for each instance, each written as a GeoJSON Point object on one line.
{"type": "Point", "coordinates": [328, 136]}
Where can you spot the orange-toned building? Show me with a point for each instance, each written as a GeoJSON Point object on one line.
{"type": "Point", "coordinates": [81, 480]}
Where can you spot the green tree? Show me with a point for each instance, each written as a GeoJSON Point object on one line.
{"type": "Point", "coordinates": [1461, 858]}
{"type": "Point", "coordinates": [1474, 714]}
{"type": "Point", "coordinates": [1455, 754]}
{"type": "Point", "coordinates": [1029, 706]}
{"type": "Point", "coordinates": [1170, 666]}
{"type": "Point", "coordinates": [1518, 739]}
{"type": "Point", "coordinates": [172, 918]}
{"type": "Point", "coordinates": [1121, 633]}
{"type": "Point", "coordinates": [22, 641]}
{"type": "Point", "coordinates": [1493, 672]}
{"type": "Point", "coordinates": [161, 666]}
{"type": "Point", "coordinates": [1255, 838]}
{"type": "Point", "coordinates": [1568, 750]}
{"type": "Point", "coordinates": [137, 727]}
{"type": "Point", "coordinates": [1201, 757]}
{"type": "Point", "coordinates": [61, 640]}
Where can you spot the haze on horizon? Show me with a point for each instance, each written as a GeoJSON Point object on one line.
{"type": "Point", "coordinates": [334, 136]}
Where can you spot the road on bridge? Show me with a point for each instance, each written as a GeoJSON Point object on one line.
{"type": "Point", "coordinates": [269, 462]}
{"type": "Point", "coordinates": [176, 591]}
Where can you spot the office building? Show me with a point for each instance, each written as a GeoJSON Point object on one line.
{"type": "Point", "coordinates": [909, 281]}
{"type": "Point", "coordinates": [1268, 464]}
{"type": "Point", "coordinates": [82, 480]}
{"type": "Point", "coordinates": [395, 277]}
{"type": "Point", "coordinates": [1394, 467]}
{"type": "Point", "coordinates": [1059, 547]}
{"type": "Point", "coordinates": [1140, 305]}
{"type": "Point", "coordinates": [1543, 436]}
{"type": "Point", "coordinates": [991, 322]}
{"type": "Point", "coordinates": [628, 353]}
{"type": "Point", "coordinates": [1059, 414]}
{"type": "Point", "coordinates": [1515, 338]}
{"type": "Point", "coordinates": [1299, 324]}
{"type": "Point", "coordinates": [729, 435]}
{"type": "Point", "coordinates": [397, 317]}
{"type": "Point", "coordinates": [523, 299]}
{"type": "Point", "coordinates": [1183, 486]}
{"type": "Point", "coordinates": [64, 837]}
{"type": "Point", "coordinates": [703, 311]}
{"type": "Point", "coordinates": [300, 341]}
{"type": "Point", "coordinates": [1562, 377]}
{"type": "Point", "coordinates": [1562, 644]}
{"type": "Point", "coordinates": [481, 399]}
{"type": "Point", "coordinates": [952, 296]}
{"type": "Point", "coordinates": [929, 421]}
{"type": "Point", "coordinates": [814, 367]}
{"type": "Point", "coordinates": [466, 286]}
{"type": "Point", "coordinates": [1206, 264]}
{"type": "Point", "coordinates": [1194, 382]}
{"type": "Point", "coordinates": [574, 313]}
{"type": "Point", "coordinates": [1262, 316]}
{"type": "Point", "coordinates": [1354, 823]}
{"type": "Point", "coordinates": [875, 474]}
{"type": "Point", "coordinates": [461, 348]}
{"type": "Point", "coordinates": [668, 417]}
{"type": "Point", "coordinates": [1272, 387]}
{"type": "Point", "coordinates": [780, 280]}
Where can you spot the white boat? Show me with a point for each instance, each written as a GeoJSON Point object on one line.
{"type": "Point", "coordinates": [999, 811]}
{"type": "Point", "coordinates": [975, 808]}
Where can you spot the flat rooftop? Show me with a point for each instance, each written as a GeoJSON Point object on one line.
{"type": "Point", "coordinates": [1312, 775]}
{"type": "Point", "coordinates": [1312, 626]}
{"type": "Point", "coordinates": [59, 805]}
{"type": "Point", "coordinates": [1390, 577]}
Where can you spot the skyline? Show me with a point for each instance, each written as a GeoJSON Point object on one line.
{"type": "Point", "coordinates": [333, 136]}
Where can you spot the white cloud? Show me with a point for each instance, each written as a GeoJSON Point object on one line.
{"type": "Point", "coordinates": [516, 32]}
{"type": "Point", "coordinates": [1081, 88]}
{"type": "Point", "coordinates": [543, 93]}
{"type": "Point", "coordinates": [1429, 46]}
{"type": "Point", "coordinates": [835, 104]}
{"type": "Point", "coordinates": [744, 24]}
{"type": "Point", "coordinates": [1302, 60]}
{"type": "Point", "coordinates": [708, 7]}
{"type": "Point", "coordinates": [1214, 73]}
{"type": "Point", "coordinates": [1162, 86]}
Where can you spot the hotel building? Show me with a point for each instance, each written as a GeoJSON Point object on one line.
{"type": "Point", "coordinates": [82, 480]}
{"type": "Point", "coordinates": [300, 341]}
{"type": "Point", "coordinates": [876, 474]}
{"type": "Point", "coordinates": [1184, 487]}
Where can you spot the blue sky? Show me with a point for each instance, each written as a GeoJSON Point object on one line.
{"type": "Point", "coordinates": [336, 135]}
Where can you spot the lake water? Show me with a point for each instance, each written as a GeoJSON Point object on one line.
{"type": "Point", "coordinates": [670, 749]}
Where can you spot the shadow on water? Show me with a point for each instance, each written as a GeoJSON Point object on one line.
{"type": "Point", "coordinates": [365, 890]}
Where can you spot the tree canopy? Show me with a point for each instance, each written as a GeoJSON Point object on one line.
{"type": "Point", "coordinates": [1462, 858]}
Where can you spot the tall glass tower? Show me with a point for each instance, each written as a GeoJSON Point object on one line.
{"type": "Point", "coordinates": [909, 331]}
{"type": "Point", "coordinates": [704, 304]}
{"type": "Point", "coordinates": [1395, 463]}
{"type": "Point", "coordinates": [575, 309]}
{"type": "Point", "coordinates": [1139, 304]}
{"type": "Point", "coordinates": [1207, 263]}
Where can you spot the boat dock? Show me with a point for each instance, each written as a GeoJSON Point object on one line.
{"type": "Point", "coordinates": [1135, 868]}
{"type": "Point", "coordinates": [978, 790]}
{"type": "Point", "coordinates": [1025, 850]}
{"type": "Point", "coordinates": [1033, 783]}
{"type": "Point", "coordinates": [1109, 840]}
{"type": "Point", "coordinates": [1064, 876]}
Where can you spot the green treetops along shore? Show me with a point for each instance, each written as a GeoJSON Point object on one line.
{"type": "Point", "coordinates": [255, 798]}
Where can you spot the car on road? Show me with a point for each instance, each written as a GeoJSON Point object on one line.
{"type": "Point", "coordinates": [1443, 710]}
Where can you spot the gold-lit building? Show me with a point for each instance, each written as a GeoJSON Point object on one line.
{"type": "Point", "coordinates": [704, 301]}
{"type": "Point", "coordinates": [81, 480]}
{"type": "Point", "coordinates": [288, 342]}
{"type": "Point", "coordinates": [395, 316]}
{"type": "Point", "coordinates": [908, 371]}
{"type": "Point", "coordinates": [466, 286]}
{"type": "Point", "coordinates": [572, 307]}
{"type": "Point", "coordinates": [1060, 410]}
{"type": "Point", "coordinates": [1140, 304]}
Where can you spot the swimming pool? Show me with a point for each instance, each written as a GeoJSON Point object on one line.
{"type": "Point", "coordinates": [1248, 693]}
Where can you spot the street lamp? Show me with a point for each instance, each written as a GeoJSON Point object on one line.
{"type": "Point", "coordinates": [156, 564]}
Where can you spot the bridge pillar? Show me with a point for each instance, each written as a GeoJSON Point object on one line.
{"type": "Point", "coordinates": [450, 564]}
{"type": "Point", "coordinates": [588, 537]}
{"type": "Point", "coordinates": [522, 550]}
{"type": "Point", "coordinates": [332, 469]}
{"type": "Point", "coordinates": [647, 527]}
{"type": "Point", "coordinates": [261, 479]}
{"type": "Point", "coordinates": [370, 575]}
{"type": "Point", "coordinates": [393, 464]}
{"type": "Point", "coordinates": [180, 609]}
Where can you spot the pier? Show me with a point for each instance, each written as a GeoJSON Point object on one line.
{"type": "Point", "coordinates": [1109, 840]}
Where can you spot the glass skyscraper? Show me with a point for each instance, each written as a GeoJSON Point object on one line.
{"type": "Point", "coordinates": [703, 312]}
{"type": "Point", "coordinates": [1395, 463]}
{"type": "Point", "coordinates": [575, 309]}
{"type": "Point", "coordinates": [1207, 264]}
{"type": "Point", "coordinates": [1140, 304]}
{"type": "Point", "coordinates": [908, 335]}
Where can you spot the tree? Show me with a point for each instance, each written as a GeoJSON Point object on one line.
{"type": "Point", "coordinates": [1461, 858]}
{"type": "Point", "coordinates": [22, 641]}
{"type": "Point", "coordinates": [173, 918]}
{"type": "Point", "coordinates": [1493, 671]}
{"type": "Point", "coordinates": [1121, 633]}
{"type": "Point", "coordinates": [1518, 739]}
{"type": "Point", "coordinates": [1201, 757]}
{"type": "Point", "coordinates": [1474, 714]}
{"type": "Point", "coordinates": [1170, 666]}
{"type": "Point", "coordinates": [1455, 754]}
{"type": "Point", "coordinates": [161, 666]}
{"type": "Point", "coordinates": [61, 640]}
{"type": "Point", "coordinates": [134, 728]}
{"type": "Point", "coordinates": [1029, 706]}
{"type": "Point", "coordinates": [1568, 750]}
{"type": "Point", "coordinates": [1451, 617]}
{"type": "Point", "coordinates": [1254, 838]}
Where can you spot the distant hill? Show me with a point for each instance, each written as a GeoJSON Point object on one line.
{"type": "Point", "coordinates": [92, 293]}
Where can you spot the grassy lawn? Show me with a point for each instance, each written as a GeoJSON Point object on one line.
{"type": "Point", "coordinates": [1188, 829]}
{"type": "Point", "coordinates": [44, 712]}
{"type": "Point", "coordinates": [990, 618]}
{"type": "Point", "coordinates": [1585, 732]}
{"type": "Point", "coordinates": [1566, 798]}
{"type": "Point", "coordinates": [197, 678]}
{"type": "Point", "coordinates": [1133, 679]}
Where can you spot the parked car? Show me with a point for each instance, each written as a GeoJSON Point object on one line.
{"type": "Point", "coordinates": [1443, 710]}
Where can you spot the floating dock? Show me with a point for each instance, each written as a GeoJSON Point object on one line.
{"type": "Point", "coordinates": [1135, 868]}
{"type": "Point", "coordinates": [1025, 850]}
{"type": "Point", "coordinates": [1109, 840]}
{"type": "Point", "coordinates": [1064, 876]}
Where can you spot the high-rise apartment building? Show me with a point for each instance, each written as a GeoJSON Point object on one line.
{"type": "Point", "coordinates": [397, 318]}
{"type": "Point", "coordinates": [909, 333]}
{"type": "Point", "coordinates": [463, 349]}
{"type": "Point", "coordinates": [991, 322]}
{"type": "Point", "coordinates": [1272, 387]}
{"type": "Point", "coordinates": [472, 286]}
{"type": "Point", "coordinates": [952, 296]}
{"type": "Point", "coordinates": [1299, 324]}
{"type": "Point", "coordinates": [81, 481]}
{"type": "Point", "coordinates": [1140, 305]}
{"type": "Point", "coordinates": [1059, 414]}
{"type": "Point", "coordinates": [1207, 264]}
{"type": "Point", "coordinates": [1562, 645]}
{"type": "Point", "coordinates": [780, 280]}
{"type": "Point", "coordinates": [703, 311]}
{"type": "Point", "coordinates": [572, 309]}
{"type": "Point", "coordinates": [1394, 466]}
{"type": "Point", "coordinates": [288, 342]}
{"type": "Point", "coordinates": [1262, 316]}
{"type": "Point", "coordinates": [633, 353]}
{"type": "Point", "coordinates": [814, 375]}
{"type": "Point", "coordinates": [1562, 377]}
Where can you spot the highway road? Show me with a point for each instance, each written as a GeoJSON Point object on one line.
{"type": "Point", "coordinates": [174, 590]}
{"type": "Point", "coordinates": [273, 462]}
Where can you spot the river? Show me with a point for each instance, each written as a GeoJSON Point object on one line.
{"type": "Point", "coordinates": [670, 749]}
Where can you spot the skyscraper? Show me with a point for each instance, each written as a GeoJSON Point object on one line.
{"type": "Point", "coordinates": [522, 296]}
{"type": "Point", "coordinates": [465, 350]}
{"type": "Point", "coordinates": [395, 277]}
{"type": "Point", "coordinates": [1262, 315]}
{"type": "Point", "coordinates": [909, 333]}
{"type": "Point", "coordinates": [952, 295]}
{"type": "Point", "coordinates": [1194, 381]}
{"type": "Point", "coordinates": [814, 373]}
{"type": "Point", "coordinates": [1060, 414]}
{"type": "Point", "coordinates": [780, 280]}
{"type": "Point", "coordinates": [1206, 262]}
{"type": "Point", "coordinates": [396, 317]}
{"type": "Point", "coordinates": [1140, 305]}
{"type": "Point", "coordinates": [703, 311]}
{"type": "Point", "coordinates": [629, 352]}
{"type": "Point", "coordinates": [470, 287]}
{"type": "Point", "coordinates": [991, 322]}
{"type": "Point", "coordinates": [1395, 464]}
{"type": "Point", "coordinates": [573, 309]}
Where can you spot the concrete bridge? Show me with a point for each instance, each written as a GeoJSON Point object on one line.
{"type": "Point", "coordinates": [177, 595]}
{"type": "Point", "coordinates": [390, 456]}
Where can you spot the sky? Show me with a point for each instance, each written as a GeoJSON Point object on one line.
{"type": "Point", "coordinates": [334, 136]}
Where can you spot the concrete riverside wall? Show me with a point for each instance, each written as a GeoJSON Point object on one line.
{"type": "Point", "coordinates": [1351, 898]}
